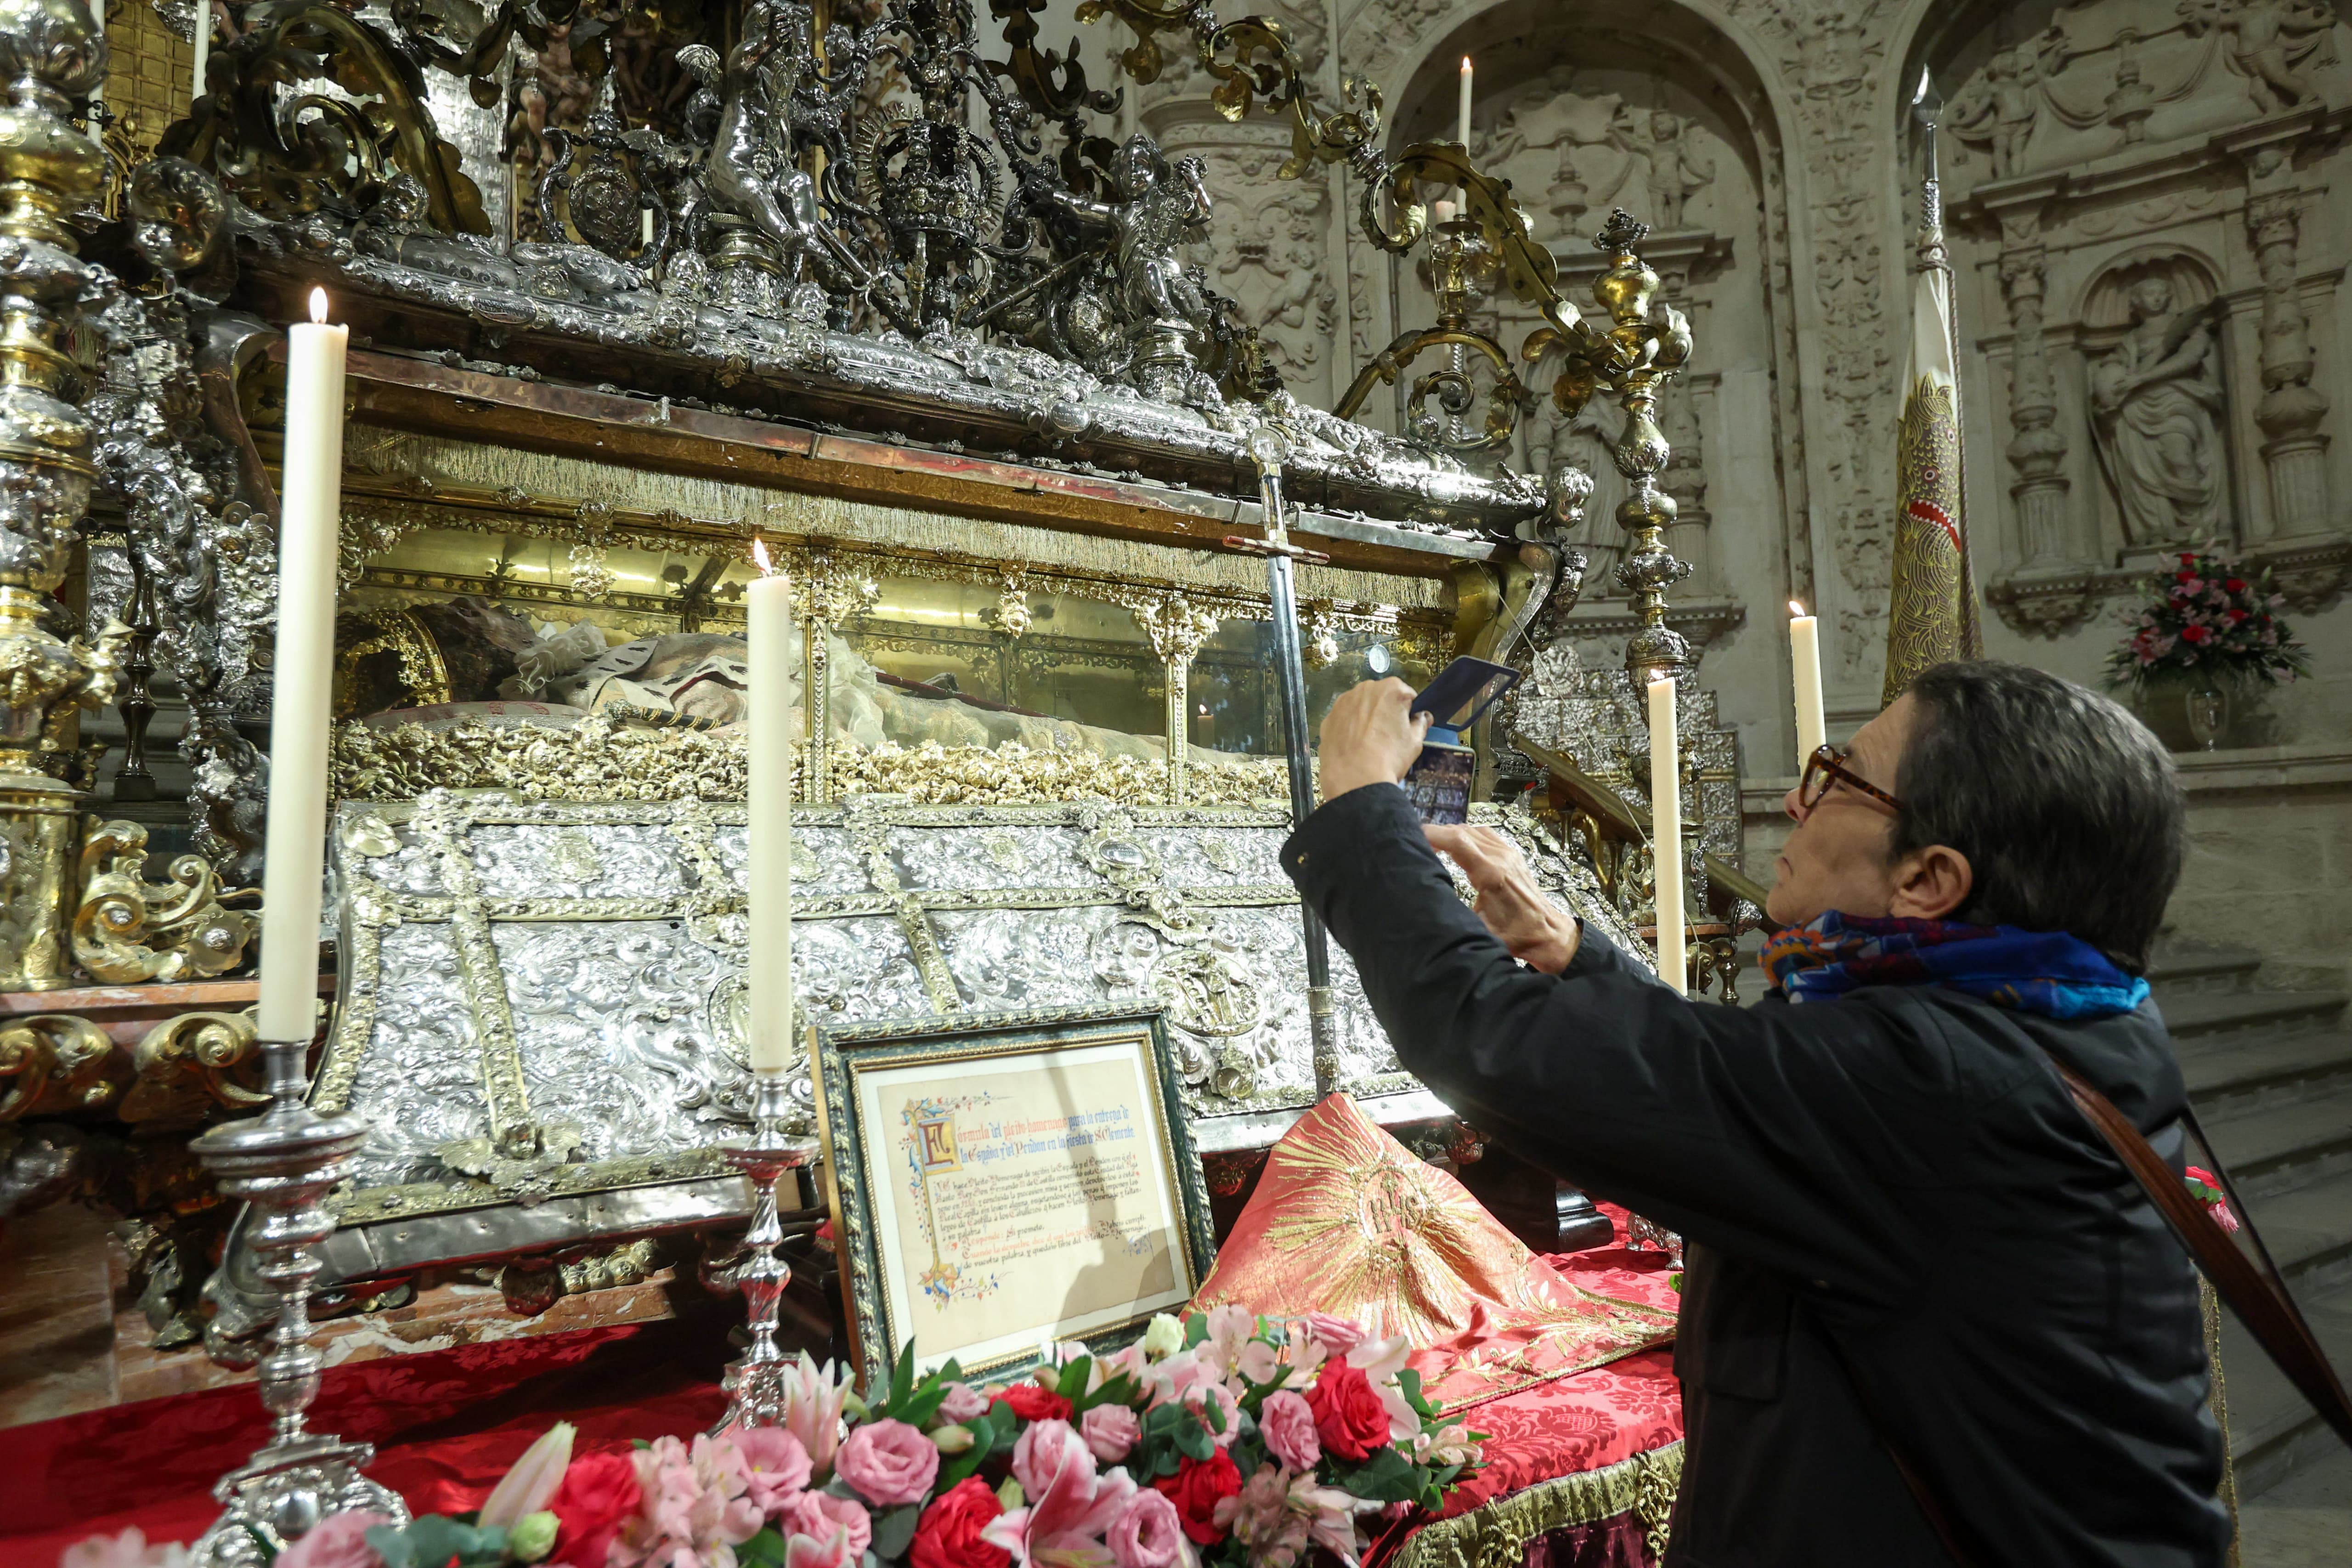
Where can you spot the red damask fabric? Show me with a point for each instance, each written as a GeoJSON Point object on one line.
{"type": "Point", "coordinates": [446, 1423]}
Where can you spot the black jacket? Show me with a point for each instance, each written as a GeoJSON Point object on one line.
{"type": "Point", "coordinates": [1891, 1194]}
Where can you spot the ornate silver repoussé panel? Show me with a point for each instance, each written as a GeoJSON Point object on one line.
{"type": "Point", "coordinates": [540, 1010]}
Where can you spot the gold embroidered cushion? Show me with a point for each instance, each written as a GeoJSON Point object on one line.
{"type": "Point", "coordinates": [1346, 1221]}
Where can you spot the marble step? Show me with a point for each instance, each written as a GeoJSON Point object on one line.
{"type": "Point", "coordinates": [2180, 968]}
{"type": "Point", "coordinates": [2235, 1074]}
{"type": "Point", "coordinates": [2309, 1230]}
{"type": "Point", "coordinates": [2202, 1013]}
{"type": "Point", "coordinates": [2272, 1431]}
{"type": "Point", "coordinates": [2292, 1143]}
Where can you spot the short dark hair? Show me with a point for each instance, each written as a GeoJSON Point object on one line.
{"type": "Point", "coordinates": [2069, 810]}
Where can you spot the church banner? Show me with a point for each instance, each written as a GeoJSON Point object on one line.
{"type": "Point", "coordinates": [1933, 614]}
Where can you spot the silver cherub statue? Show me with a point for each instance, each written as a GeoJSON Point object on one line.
{"type": "Point", "coordinates": [1158, 209]}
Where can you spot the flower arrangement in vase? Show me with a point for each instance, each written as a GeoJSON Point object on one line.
{"type": "Point", "coordinates": [2207, 630]}
{"type": "Point", "coordinates": [1222, 1440]}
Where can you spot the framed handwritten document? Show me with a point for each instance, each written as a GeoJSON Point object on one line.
{"type": "Point", "coordinates": [1003, 1182]}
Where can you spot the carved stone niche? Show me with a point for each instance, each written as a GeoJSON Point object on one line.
{"type": "Point", "coordinates": [2159, 403]}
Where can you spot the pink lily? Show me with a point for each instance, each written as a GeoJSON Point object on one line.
{"type": "Point", "coordinates": [1074, 1507]}
{"type": "Point", "coordinates": [813, 1398]}
{"type": "Point", "coordinates": [531, 1481]}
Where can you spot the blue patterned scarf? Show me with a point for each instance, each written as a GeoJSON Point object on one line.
{"type": "Point", "coordinates": [2049, 972]}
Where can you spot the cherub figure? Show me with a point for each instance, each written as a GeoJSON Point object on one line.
{"type": "Point", "coordinates": [1160, 208]}
{"type": "Point", "coordinates": [1677, 172]}
{"type": "Point", "coordinates": [2001, 109]}
{"type": "Point", "coordinates": [2268, 39]}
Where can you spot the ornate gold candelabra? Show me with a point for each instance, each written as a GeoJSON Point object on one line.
{"type": "Point", "coordinates": [49, 52]}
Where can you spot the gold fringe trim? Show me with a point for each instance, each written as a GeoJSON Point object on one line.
{"type": "Point", "coordinates": [595, 760]}
{"type": "Point", "coordinates": [1496, 1536]}
{"type": "Point", "coordinates": [2210, 1302]}
{"type": "Point", "coordinates": [701, 504]}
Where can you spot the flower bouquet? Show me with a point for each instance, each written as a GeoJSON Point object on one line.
{"type": "Point", "coordinates": [1222, 1439]}
{"type": "Point", "coordinates": [2207, 623]}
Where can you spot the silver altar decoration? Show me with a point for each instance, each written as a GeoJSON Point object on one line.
{"type": "Point", "coordinates": [282, 1164]}
{"type": "Point", "coordinates": [541, 1002]}
{"type": "Point", "coordinates": [754, 1381]}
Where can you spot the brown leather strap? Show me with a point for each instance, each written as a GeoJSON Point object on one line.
{"type": "Point", "coordinates": [2260, 1299]}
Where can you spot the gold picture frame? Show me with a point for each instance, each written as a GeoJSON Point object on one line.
{"type": "Point", "coordinates": [1000, 1183]}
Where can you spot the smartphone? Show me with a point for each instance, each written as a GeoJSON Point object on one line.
{"type": "Point", "coordinates": [1440, 778]}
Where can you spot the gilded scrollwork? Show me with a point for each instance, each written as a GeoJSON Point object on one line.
{"type": "Point", "coordinates": [127, 929]}
{"type": "Point", "coordinates": [52, 1062]}
{"type": "Point", "coordinates": [193, 1065]}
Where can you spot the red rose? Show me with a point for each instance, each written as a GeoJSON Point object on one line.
{"type": "Point", "coordinates": [1348, 1417]}
{"type": "Point", "coordinates": [2237, 616]}
{"type": "Point", "coordinates": [1034, 1402]}
{"type": "Point", "coordinates": [2194, 633]}
{"type": "Point", "coordinates": [1198, 1487]}
{"type": "Point", "coordinates": [2187, 559]}
{"type": "Point", "coordinates": [2184, 576]}
{"type": "Point", "coordinates": [949, 1534]}
{"type": "Point", "coordinates": [599, 1494]}
{"type": "Point", "coordinates": [2235, 584]}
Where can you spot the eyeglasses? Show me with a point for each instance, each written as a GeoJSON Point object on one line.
{"type": "Point", "coordinates": [1827, 766]}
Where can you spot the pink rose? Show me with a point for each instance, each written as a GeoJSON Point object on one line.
{"type": "Point", "coordinates": [889, 1463]}
{"type": "Point", "coordinates": [1147, 1533]}
{"type": "Point", "coordinates": [819, 1514]}
{"type": "Point", "coordinates": [1111, 1431]}
{"type": "Point", "coordinates": [1338, 1335]}
{"type": "Point", "coordinates": [1288, 1423]}
{"type": "Point", "coordinates": [339, 1541]}
{"type": "Point", "coordinates": [962, 1402]}
{"type": "Point", "coordinates": [775, 1467]}
{"type": "Point", "coordinates": [1042, 1451]}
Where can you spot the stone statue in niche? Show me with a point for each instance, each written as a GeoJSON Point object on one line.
{"type": "Point", "coordinates": [1998, 109]}
{"type": "Point", "coordinates": [2156, 408]}
{"type": "Point", "coordinates": [2268, 41]}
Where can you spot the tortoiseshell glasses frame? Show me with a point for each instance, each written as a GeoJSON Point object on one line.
{"type": "Point", "coordinates": [1827, 766]}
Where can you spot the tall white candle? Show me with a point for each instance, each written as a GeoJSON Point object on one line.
{"type": "Point", "coordinates": [1462, 128]}
{"type": "Point", "coordinates": [769, 794]}
{"type": "Point", "coordinates": [1805, 661]}
{"type": "Point", "coordinates": [98, 32]}
{"type": "Point", "coordinates": [202, 27]}
{"type": "Point", "coordinates": [1666, 831]}
{"type": "Point", "coordinates": [310, 496]}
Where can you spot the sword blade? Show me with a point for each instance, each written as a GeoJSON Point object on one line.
{"type": "Point", "coordinates": [1290, 669]}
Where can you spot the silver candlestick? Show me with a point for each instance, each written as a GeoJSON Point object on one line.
{"type": "Point", "coordinates": [754, 1380]}
{"type": "Point", "coordinates": [283, 1163]}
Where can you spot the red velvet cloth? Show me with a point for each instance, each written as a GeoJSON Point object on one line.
{"type": "Point", "coordinates": [448, 1424]}
{"type": "Point", "coordinates": [1586, 1421]}
{"type": "Point", "coordinates": [445, 1424]}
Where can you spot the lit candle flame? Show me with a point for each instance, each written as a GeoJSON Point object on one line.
{"type": "Point", "coordinates": [1465, 65]}
{"type": "Point", "coordinates": [759, 554]}
{"type": "Point", "coordinates": [1795, 608]}
{"type": "Point", "coordinates": [319, 306]}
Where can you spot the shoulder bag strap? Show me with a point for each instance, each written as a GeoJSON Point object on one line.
{"type": "Point", "coordinates": [2258, 1297]}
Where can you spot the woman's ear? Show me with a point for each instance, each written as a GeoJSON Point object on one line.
{"type": "Point", "coordinates": [1931, 884]}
